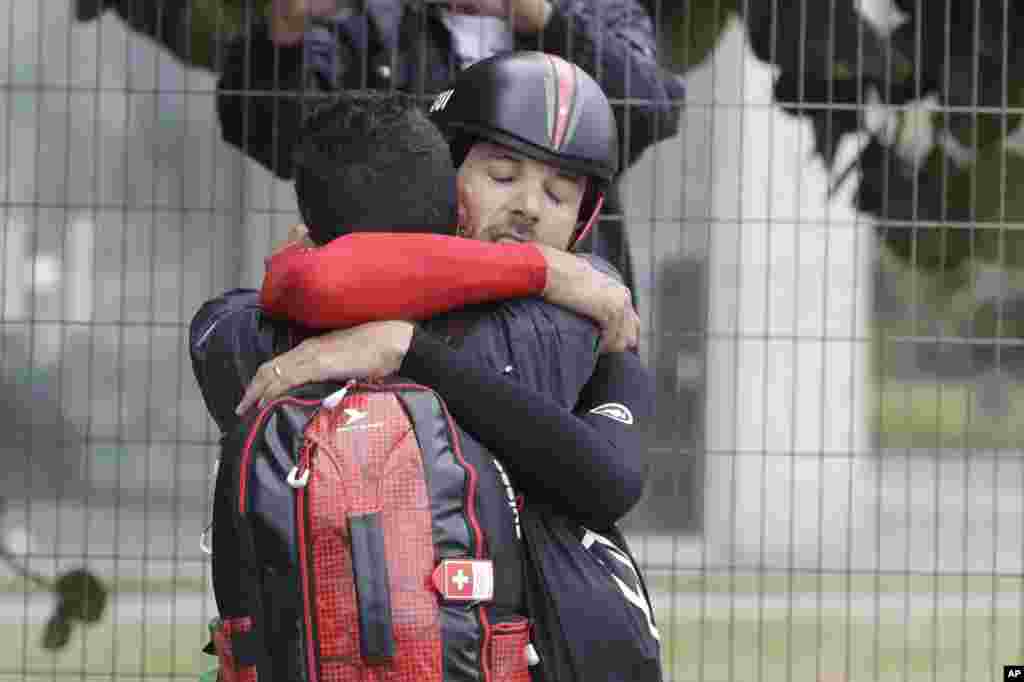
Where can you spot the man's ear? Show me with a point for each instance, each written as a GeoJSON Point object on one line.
{"type": "Point", "coordinates": [462, 227]}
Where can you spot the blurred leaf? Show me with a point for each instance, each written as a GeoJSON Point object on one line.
{"type": "Point", "coordinates": [821, 40]}
{"type": "Point", "coordinates": [57, 633]}
{"type": "Point", "coordinates": [981, 129]}
{"type": "Point", "coordinates": [992, 181]}
{"type": "Point", "coordinates": [895, 193]}
{"type": "Point", "coordinates": [81, 596]}
{"type": "Point", "coordinates": [694, 29]}
{"type": "Point", "coordinates": [829, 123]}
{"type": "Point", "coordinates": [829, 59]}
{"type": "Point", "coordinates": [966, 67]}
{"type": "Point", "coordinates": [1000, 318]}
{"type": "Point", "coordinates": [194, 31]}
{"type": "Point", "coordinates": [981, 196]}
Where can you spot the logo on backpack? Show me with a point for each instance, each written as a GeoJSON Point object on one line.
{"type": "Point", "coordinates": [465, 580]}
{"type": "Point", "coordinates": [354, 416]}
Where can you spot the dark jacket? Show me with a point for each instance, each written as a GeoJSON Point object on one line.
{"type": "Point", "coordinates": [264, 91]}
{"type": "Point", "coordinates": [524, 378]}
{"type": "Point", "coordinates": [529, 358]}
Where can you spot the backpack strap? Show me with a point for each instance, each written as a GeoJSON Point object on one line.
{"type": "Point", "coordinates": [373, 594]}
{"type": "Point", "coordinates": [236, 571]}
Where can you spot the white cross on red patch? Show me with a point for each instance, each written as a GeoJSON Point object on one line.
{"type": "Point", "coordinates": [465, 579]}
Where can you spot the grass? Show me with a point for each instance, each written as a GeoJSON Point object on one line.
{"type": "Point", "coordinates": [709, 644]}
{"type": "Point", "coordinates": [944, 645]}
{"type": "Point", "coordinates": [721, 583]}
{"type": "Point", "coordinates": [944, 415]}
{"type": "Point", "coordinates": [125, 650]}
{"type": "Point", "coordinates": [941, 645]}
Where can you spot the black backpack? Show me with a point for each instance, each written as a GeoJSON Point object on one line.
{"type": "Point", "coordinates": [588, 602]}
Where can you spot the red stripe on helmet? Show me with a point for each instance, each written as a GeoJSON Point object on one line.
{"type": "Point", "coordinates": [565, 73]}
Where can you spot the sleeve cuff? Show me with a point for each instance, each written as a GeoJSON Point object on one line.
{"type": "Point", "coordinates": [538, 273]}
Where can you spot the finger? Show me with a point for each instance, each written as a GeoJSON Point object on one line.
{"type": "Point", "coordinates": [276, 390]}
{"type": "Point", "coordinates": [608, 334]}
{"type": "Point", "coordinates": [280, 384]}
{"type": "Point", "coordinates": [612, 339]}
{"type": "Point", "coordinates": [254, 391]}
{"type": "Point", "coordinates": [299, 366]}
{"type": "Point", "coordinates": [303, 361]}
{"type": "Point", "coordinates": [633, 340]}
{"type": "Point", "coordinates": [627, 335]}
{"type": "Point", "coordinates": [619, 339]}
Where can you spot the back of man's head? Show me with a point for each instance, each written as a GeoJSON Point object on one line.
{"type": "Point", "coordinates": [372, 161]}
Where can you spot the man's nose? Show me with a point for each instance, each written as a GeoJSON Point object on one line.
{"type": "Point", "coordinates": [527, 204]}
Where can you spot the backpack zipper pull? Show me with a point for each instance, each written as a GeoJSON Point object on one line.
{"type": "Point", "coordinates": [295, 480]}
{"type": "Point", "coordinates": [331, 401]}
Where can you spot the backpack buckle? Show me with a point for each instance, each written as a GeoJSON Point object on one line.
{"type": "Point", "coordinates": [296, 480]}
{"type": "Point", "coordinates": [465, 580]}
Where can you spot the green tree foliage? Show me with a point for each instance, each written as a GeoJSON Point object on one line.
{"type": "Point", "coordinates": [193, 30]}
{"type": "Point", "coordinates": [965, 55]}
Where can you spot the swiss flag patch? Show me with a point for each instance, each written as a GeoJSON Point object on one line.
{"type": "Point", "coordinates": [465, 580]}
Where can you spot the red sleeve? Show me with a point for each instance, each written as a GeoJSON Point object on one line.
{"type": "Point", "coordinates": [385, 276]}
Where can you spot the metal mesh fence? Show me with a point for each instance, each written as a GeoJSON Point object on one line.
{"type": "Point", "coordinates": [825, 256]}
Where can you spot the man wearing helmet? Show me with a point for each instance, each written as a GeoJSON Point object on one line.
{"type": "Point", "coordinates": [514, 185]}
{"type": "Point", "coordinates": [535, 144]}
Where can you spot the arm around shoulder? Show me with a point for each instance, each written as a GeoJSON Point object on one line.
{"type": "Point", "coordinates": [367, 277]}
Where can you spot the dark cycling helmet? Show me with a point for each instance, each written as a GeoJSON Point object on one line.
{"type": "Point", "coordinates": [543, 107]}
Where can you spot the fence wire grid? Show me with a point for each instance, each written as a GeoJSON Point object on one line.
{"type": "Point", "coordinates": [825, 251]}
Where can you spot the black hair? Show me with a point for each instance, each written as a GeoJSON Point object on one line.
{"type": "Point", "coordinates": [460, 144]}
{"type": "Point", "coordinates": [372, 161]}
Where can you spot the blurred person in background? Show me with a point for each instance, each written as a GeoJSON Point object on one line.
{"type": "Point", "coordinates": [273, 71]}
